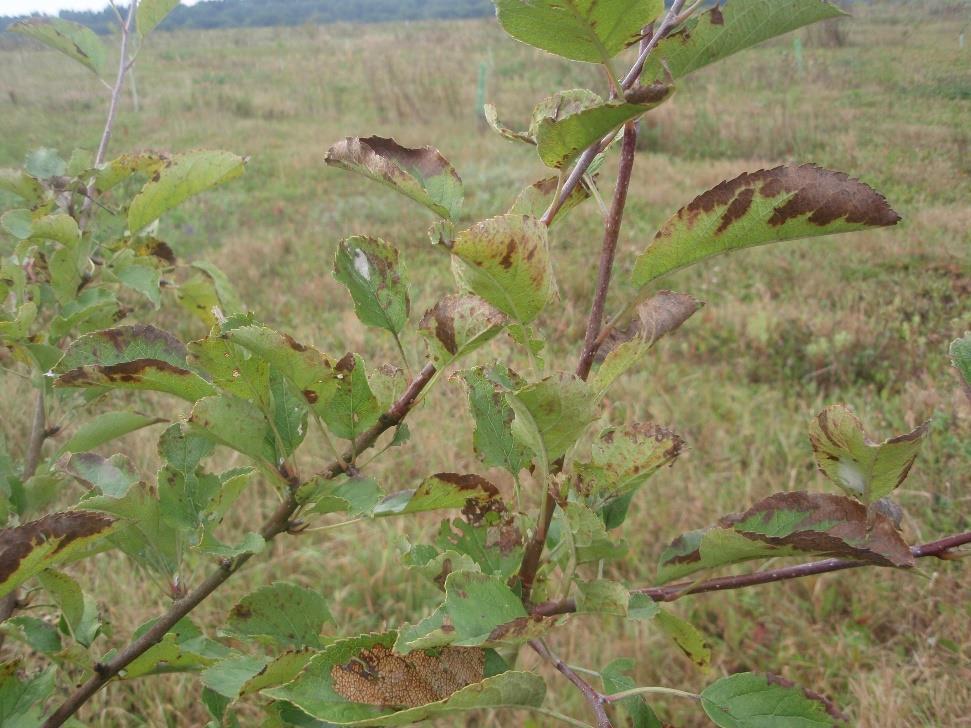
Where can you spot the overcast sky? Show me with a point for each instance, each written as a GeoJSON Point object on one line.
{"type": "Point", "coordinates": [23, 7]}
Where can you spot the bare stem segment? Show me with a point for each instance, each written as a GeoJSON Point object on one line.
{"type": "Point", "coordinates": [278, 522]}
{"type": "Point", "coordinates": [942, 549]}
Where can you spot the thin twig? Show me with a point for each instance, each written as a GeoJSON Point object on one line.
{"type": "Point", "coordinates": [279, 522]}
{"type": "Point", "coordinates": [942, 549]}
{"type": "Point", "coordinates": [671, 19]}
{"type": "Point", "coordinates": [38, 433]}
{"type": "Point", "coordinates": [534, 549]}
{"type": "Point", "coordinates": [594, 698]}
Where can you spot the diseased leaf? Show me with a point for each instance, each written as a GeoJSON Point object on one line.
{"type": "Point", "coordinates": [458, 325]}
{"type": "Point", "coordinates": [112, 173]}
{"type": "Point", "coordinates": [506, 261]}
{"type": "Point", "coordinates": [686, 636]}
{"type": "Point", "coordinates": [181, 177]}
{"type": "Point", "coordinates": [493, 439]}
{"type": "Point", "coordinates": [602, 596]}
{"type": "Point", "coordinates": [422, 174]}
{"type": "Point", "coordinates": [131, 357]}
{"type": "Point", "coordinates": [552, 414]}
{"type": "Point", "coordinates": [283, 614]}
{"type": "Point", "coordinates": [535, 199]}
{"type": "Point", "coordinates": [72, 39]}
{"type": "Point", "coordinates": [360, 681]}
{"type": "Point", "coordinates": [622, 460]}
{"type": "Point", "coordinates": [789, 524]}
{"type": "Point", "coordinates": [560, 142]}
{"type": "Point", "coordinates": [278, 671]}
{"type": "Point", "coordinates": [492, 118]}
{"type": "Point", "coordinates": [560, 105]}
{"type": "Point", "coordinates": [582, 30]}
{"type": "Point", "coordinates": [151, 13]}
{"type": "Point", "coordinates": [724, 30]}
{"type": "Point", "coordinates": [111, 476]}
{"type": "Point", "coordinates": [22, 702]}
{"type": "Point", "coordinates": [353, 408]}
{"type": "Point", "coordinates": [105, 428]}
{"type": "Point", "coordinates": [751, 700]}
{"type": "Point", "coordinates": [55, 539]}
{"type": "Point", "coordinates": [762, 207]}
{"type": "Point", "coordinates": [475, 495]}
{"type": "Point", "coordinates": [864, 469]}
{"type": "Point", "coordinates": [183, 648]}
{"type": "Point", "coordinates": [228, 676]}
{"type": "Point", "coordinates": [372, 272]}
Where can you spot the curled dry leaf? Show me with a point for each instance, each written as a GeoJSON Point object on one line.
{"type": "Point", "coordinates": [862, 468]}
{"type": "Point", "coordinates": [422, 174]}
{"type": "Point", "coordinates": [789, 524]}
{"type": "Point", "coordinates": [656, 317]}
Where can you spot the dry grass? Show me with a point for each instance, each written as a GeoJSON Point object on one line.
{"type": "Point", "coordinates": [787, 330]}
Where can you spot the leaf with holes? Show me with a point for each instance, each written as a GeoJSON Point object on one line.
{"type": "Point", "coordinates": [751, 700]}
{"type": "Point", "coordinates": [373, 274]}
{"type": "Point", "coordinates": [283, 614]}
{"type": "Point", "coordinates": [560, 142]}
{"type": "Point", "coordinates": [722, 31]}
{"type": "Point", "coordinates": [179, 178]}
{"type": "Point", "coordinates": [762, 207]}
{"type": "Point", "coordinates": [72, 39]}
{"type": "Point", "coordinates": [582, 30]}
{"type": "Point", "coordinates": [131, 357]}
{"type": "Point", "coordinates": [360, 681]}
{"type": "Point", "coordinates": [422, 174]}
{"type": "Point", "coordinates": [458, 325]}
{"type": "Point", "coordinates": [57, 538]}
{"type": "Point", "coordinates": [789, 524]}
{"type": "Point", "coordinates": [862, 468]}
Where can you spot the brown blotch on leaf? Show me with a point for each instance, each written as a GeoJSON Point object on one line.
{"type": "Point", "coordinates": [654, 93]}
{"type": "Point", "coordinates": [715, 16]}
{"type": "Point", "coordinates": [18, 542]}
{"type": "Point", "coordinates": [311, 396]}
{"type": "Point", "coordinates": [377, 676]}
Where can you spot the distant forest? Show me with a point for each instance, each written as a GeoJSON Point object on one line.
{"type": "Point", "coordinates": [261, 13]}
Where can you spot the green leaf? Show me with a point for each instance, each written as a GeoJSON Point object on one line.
{"type": "Point", "coordinates": [45, 163]}
{"type": "Point", "coordinates": [233, 369]}
{"type": "Point", "coordinates": [72, 39]}
{"type": "Point", "coordinates": [602, 596]}
{"type": "Point", "coordinates": [422, 174]}
{"type": "Point", "coordinates": [22, 702]}
{"type": "Point", "coordinates": [535, 199]}
{"type": "Point", "coordinates": [493, 439]}
{"type": "Point", "coordinates": [506, 261]}
{"type": "Point", "coordinates": [209, 296]}
{"type": "Point", "coordinates": [458, 325]}
{"type": "Point", "coordinates": [582, 30]}
{"type": "Point", "coordinates": [283, 614]}
{"type": "Point", "coordinates": [354, 496]}
{"type": "Point", "coordinates": [641, 607]}
{"type": "Point", "coordinates": [183, 648]}
{"type": "Point", "coordinates": [686, 636]}
{"type": "Point", "coordinates": [552, 414]}
{"type": "Point", "coordinates": [372, 272]}
{"type": "Point", "coordinates": [762, 207]}
{"type": "Point", "coordinates": [750, 700]}
{"type": "Point", "coordinates": [68, 596]}
{"type": "Point", "coordinates": [151, 13]}
{"type": "Point", "coordinates": [112, 173]}
{"type": "Point", "coordinates": [443, 491]}
{"type": "Point", "coordinates": [622, 460]}
{"type": "Point", "coordinates": [495, 548]}
{"type": "Point", "coordinates": [34, 632]}
{"type": "Point", "coordinates": [144, 535]}
{"type": "Point", "coordinates": [359, 682]}
{"type": "Point", "coordinates": [131, 357]}
{"type": "Point", "coordinates": [615, 680]}
{"type": "Point", "coordinates": [560, 142]}
{"type": "Point", "coordinates": [228, 676]}
{"type": "Point", "coordinates": [353, 408]}
{"type": "Point", "coordinates": [23, 185]}
{"type": "Point", "coordinates": [789, 524]}
{"type": "Point", "coordinates": [181, 177]}
{"type": "Point", "coordinates": [864, 469]}
{"type": "Point", "coordinates": [240, 425]}
{"type": "Point", "coordinates": [55, 539]}
{"type": "Point", "coordinates": [492, 119]}
{"type": "Point", "coordinates": [105, 428]}
{"type": "Point", "coordinates": [111, 476]}
{"type": "Point", "coordinates": [92, 310]}
{"type": "Point", "coordinates": [960, 353]}
{"type": "Point", "coordinates": [140, 274]}
{"type": "Point", "coordinates": [590, 539]}
{"type": "Point", "coordinates": [278, 671]}
{"type": "Point", "coordinates": [724, 30]}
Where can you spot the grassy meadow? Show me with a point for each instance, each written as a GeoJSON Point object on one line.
{"type": "Point", "coordinates": [787, 329]}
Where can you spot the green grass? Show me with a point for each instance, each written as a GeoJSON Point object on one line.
{"type": "Point", "coordinates": [863, 319]}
